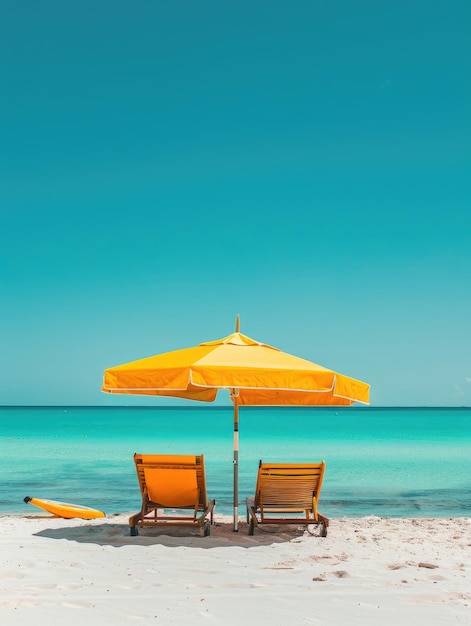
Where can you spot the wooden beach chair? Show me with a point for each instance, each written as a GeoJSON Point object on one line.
{"type": "Point", "coordinates": [173, 492]}
{"type": "Point", "coordinates": [283, 492]}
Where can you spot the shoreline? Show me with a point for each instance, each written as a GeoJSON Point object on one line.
{"type": "Point", "coordinates": [367, 570]}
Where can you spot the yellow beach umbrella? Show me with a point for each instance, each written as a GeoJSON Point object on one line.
{"type": "Point", "coordinates": [254, 373]}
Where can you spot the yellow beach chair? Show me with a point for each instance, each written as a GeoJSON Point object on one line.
{"type": "Point", "coordinates": [173, 492]}
{"type": "Point", "coordinates": [285, 490]}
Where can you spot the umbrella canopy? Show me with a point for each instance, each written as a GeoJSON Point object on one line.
{"type": "Point", "coordinates": [255, 374]}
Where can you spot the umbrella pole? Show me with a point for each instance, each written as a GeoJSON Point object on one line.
{"type": "Point", "coordinates": [236, 464]}
{"type": "Point", "coordinates": [234, 396]}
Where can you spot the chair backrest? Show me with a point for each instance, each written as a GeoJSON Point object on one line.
{"type": "Point", "coordinates": [289, 484]}
{"type": "Point", "coordinates": [172, 480]}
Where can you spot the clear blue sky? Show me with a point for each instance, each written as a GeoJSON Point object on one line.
{"type": "Point", "coordinates": [167, 165]}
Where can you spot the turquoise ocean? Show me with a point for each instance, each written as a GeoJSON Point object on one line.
{"type": "Point", "coordinates": [395, 462]}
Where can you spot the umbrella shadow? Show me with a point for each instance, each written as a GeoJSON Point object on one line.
{"type": "Point", "coordinates": [222, 535]}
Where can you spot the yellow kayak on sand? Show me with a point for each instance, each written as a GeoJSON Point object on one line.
{"type": "Point", "coordinates": [65, 509]}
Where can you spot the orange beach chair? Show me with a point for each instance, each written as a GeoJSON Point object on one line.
{"type": "Point", "coordinates": [173, 492]}
{"type": "Point", "coordinates": [283, 492]}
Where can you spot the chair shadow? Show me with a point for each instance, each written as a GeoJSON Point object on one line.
{"type": "Point", "coordinates": [222, 535]}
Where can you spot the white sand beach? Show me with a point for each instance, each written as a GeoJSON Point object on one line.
{"type": "Point", "coordinates": [366, 571]}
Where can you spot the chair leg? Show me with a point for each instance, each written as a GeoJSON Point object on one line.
{"type": "Point", "coordinates": [133, 531]}
{"type": "Point", "coordinates": [251, 527]}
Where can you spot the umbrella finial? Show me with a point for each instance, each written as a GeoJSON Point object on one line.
{"type": "Point", "coordinates": [237, 323]}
